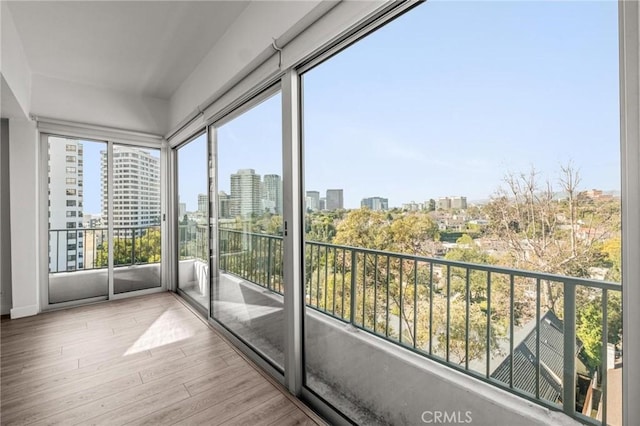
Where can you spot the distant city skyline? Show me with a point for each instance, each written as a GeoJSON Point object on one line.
{"type": "Point", "coordinates": [193, 205]}
{"type": "Point", "coordinates": [92, 202]}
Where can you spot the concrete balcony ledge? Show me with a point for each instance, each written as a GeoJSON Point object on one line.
{"type": "Point", "coordinates": [76, 285]}
{"type": "Point", "coordinates": [88, 283]}
{"type": "Point", "coordinates": [397, 386]}
{"type": "Point", "coordinates": [376, 382]}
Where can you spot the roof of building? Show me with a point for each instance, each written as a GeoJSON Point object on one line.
{"type": "Point", "coordinates": [551, 360]}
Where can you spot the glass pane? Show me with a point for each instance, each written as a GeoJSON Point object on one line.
{"type": "Point", "coordinates": [136, 217]}
{"type": "Point", "coordinates": [449, 195]}
{"type": "Point", "coordinates": [247, 294]}
{"type": "Point", "coordinates": [78, 249]}
{"type": "Point", "coordinates": [193, 215]}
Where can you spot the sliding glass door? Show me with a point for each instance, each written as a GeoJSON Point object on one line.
{"type": "Point", "coordinates": [454, 212]}
{"type": "Point", "coordinates": [193, 220]}
{"type": "Point", "coordinates": [248, 289]}
{"type": "Point", "coordinates": [104, 219]}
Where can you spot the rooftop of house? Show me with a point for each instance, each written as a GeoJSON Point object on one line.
{"type": "Point", "coordinates": [551, 360]}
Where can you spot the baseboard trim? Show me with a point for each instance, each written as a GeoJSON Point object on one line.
{"type": "Point", "coordinates": [24, 311]}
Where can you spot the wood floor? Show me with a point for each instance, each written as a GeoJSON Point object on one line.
{"type": "Point", "coordinates": [146, 360]}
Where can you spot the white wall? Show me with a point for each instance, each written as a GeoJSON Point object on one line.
{"type": "Point", "coordinates": [63, 100]}
{"type": "Point", "coordinates": [23, 151]}
{"type": "Point", "coordinates": [249, 36]}
{"type": "Point", "coordinates": [13, 62]}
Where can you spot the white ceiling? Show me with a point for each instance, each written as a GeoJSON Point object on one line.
{"type": "Point", "coordinates": [142, 47]}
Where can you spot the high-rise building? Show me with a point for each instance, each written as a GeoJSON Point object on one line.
{"type": "Point", "coordinates": [223, 205]}
{"type": "Point", "coordinates": [446, 203]}
{"type": "Point", "coordinates": [313, 200]}
{"type": "Point", "coordinates": [245, 194]}
{"type": "Point", "coordinates": [136, 189]}
{"type": "Point", "coordinates": [375, 203]}
{"type": "Point", "coordinates": [91, 220]}
{"type": "Point", "coordinates": [459, 203]}
{"type": "Point", "coordinates": [182, 210]}
{"type": "Point", "coordinates": [65, 204]}
{"type": "Point", "coordinates": [334, 199]}
{"type": "Point", "coordinates": [272, 193]}
{"type": "Point", "coordinates": [203, 204]}
{"type": "Point", "coordinates": [323, 203]}
{"type": "Point", "coordinates": [412, 206]}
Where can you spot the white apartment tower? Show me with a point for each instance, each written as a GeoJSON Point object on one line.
{"type": "Point", "coordinates": [203, 204]}
{"type": "Point", "coordinates": [456, 203]}
{"type": "Point", "coordinates": [459, 203]}
{"type": "Point", "coordinates": [65, 204]}
{"type": "Point", "coordinates": [375, 203]}
{"type": "Point", "coordinates": [272, 193]}
{"type": "Point", "coordinates": [313, 200]}
{"type": "Point", "coordinates": [136, 189]}
{"type": "Point", "coordinates": [223, 205]}
{"type": "Point", "coordinates": [245, 194]}
{"type": "Point", "coordinates": [335, 199]}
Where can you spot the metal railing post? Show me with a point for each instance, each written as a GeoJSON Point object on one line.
{"type": "Point", "coordinates": [58, 249]}
{"type": "Point", "coordinates": [269, 263]}
{"type": "Point", "coordinates": [352, 314]}
{"type": "Point", "coordinates": [604, 354]}
{"type": "Point", "coordinates": [569, 353]}
{"type": "Point", "coordinates": [133, 247]}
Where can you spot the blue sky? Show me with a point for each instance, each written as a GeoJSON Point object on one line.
{"type": "Point", "coordinates": [444, 101]}
{"type": "Point", "coordinates": [192, 171]}
{"type": "Point", "coordinates": [449, 97]}
{"type": "Point", "coordinates": [252, 140]}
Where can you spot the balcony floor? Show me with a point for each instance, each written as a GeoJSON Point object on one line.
{"type": "Point", "coordinates": [144, 360]}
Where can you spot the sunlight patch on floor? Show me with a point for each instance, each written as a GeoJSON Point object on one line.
{"type": "Point", "coordinates": [167, 328]}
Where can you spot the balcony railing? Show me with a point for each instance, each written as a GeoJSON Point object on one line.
{"type": "Point", "coordinates": [512, 328]}
{"type": "Point", "coordinates": [193, 240]}
{"type": "Point", "coordinates": [254, 257]}
{"type": "Point", "coordinates": [131, 246]}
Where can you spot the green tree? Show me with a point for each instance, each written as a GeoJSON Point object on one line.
{"type": "Point", "coordinates": [412, 233]}
{"type": "Point", "coordinates": [320, 226]}
{"type": "Point", "coordinates": [363, 228]}
{"type": "Point", "coordinates": [467, 251]}
{"type": "Point", "coordinates": [612, 251]}
{"type": "Point", "coordinates": [589, 331]}
{"type": "Point", "coordinates": [128, 250]}
{"type": "Point", "coordinates": [393, 294]}
{"type": "Point", "coordinates": [461, 343]}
